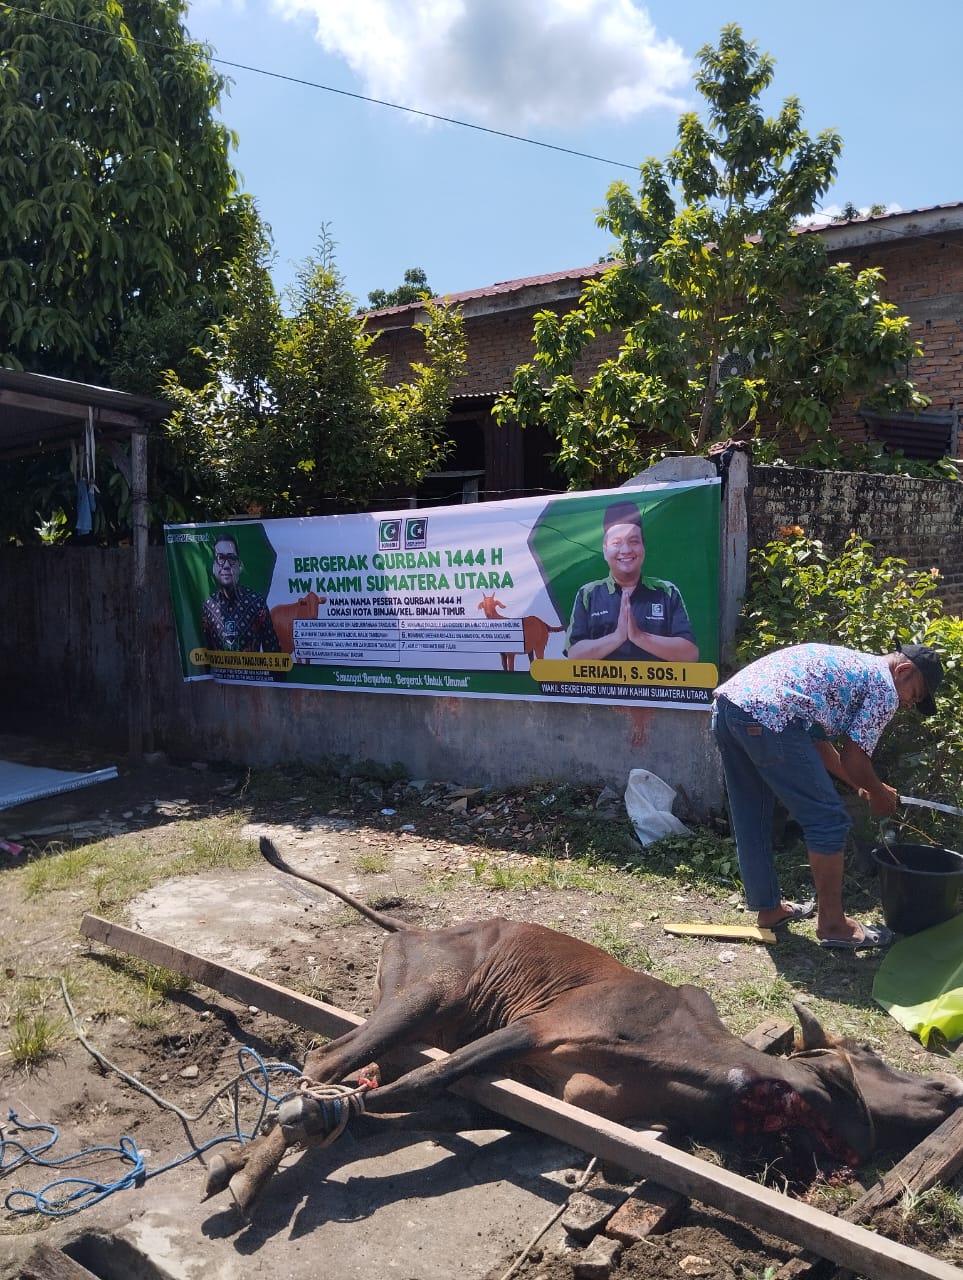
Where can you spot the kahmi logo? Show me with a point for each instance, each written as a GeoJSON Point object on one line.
{"type": "Point", "coordinates": [389, 535]}
{"type": "Point", "coordinates": [416, 532]}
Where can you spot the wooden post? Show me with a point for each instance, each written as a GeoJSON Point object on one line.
{"type": "Point", "coordinates": [138, 693]}
{"type": "Point", "coordinates": [735, 553]}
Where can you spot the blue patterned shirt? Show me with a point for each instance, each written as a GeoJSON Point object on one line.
{"type": "Point", "coordinates": [841, 692]}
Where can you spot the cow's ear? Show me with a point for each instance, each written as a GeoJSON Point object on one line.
{"type": "Point", "coordinates": [813, 1035]}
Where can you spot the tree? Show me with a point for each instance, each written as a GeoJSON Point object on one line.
{"type": "Point", "coordinates": [416, 286]}
{"type": "Point", "coordinates": [851, 212]}
{"type": "Point", "coordinates": [118, 204]}
{"type": "Point", "coordinates": [731, 320]}
{"type": "Point", "coordinates": [297, 418]}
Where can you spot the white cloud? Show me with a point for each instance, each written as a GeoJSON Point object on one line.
{"type": "Point", "coordinates": [508, 64]}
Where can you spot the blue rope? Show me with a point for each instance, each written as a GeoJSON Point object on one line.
{"type": "Point", "coordinates": [56, 1201]}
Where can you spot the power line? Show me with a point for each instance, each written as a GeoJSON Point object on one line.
{"type": "Point", "coordinates": [345, 93]}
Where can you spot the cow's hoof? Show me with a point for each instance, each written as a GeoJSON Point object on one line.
{"type": "Point", "coordinates": [263, 1156]}
{"type": "Point", "coordinates": [220, 1170]}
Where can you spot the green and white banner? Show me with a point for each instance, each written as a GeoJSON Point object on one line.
{"type": "Point", "coordinates": [610, 596]}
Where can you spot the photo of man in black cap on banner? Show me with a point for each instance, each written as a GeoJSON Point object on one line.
{"type": "Point", "coordinates": [627, 615]}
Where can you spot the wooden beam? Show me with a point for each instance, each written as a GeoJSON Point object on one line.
{"type": "Point", "coordinates": [845, 1243]}
{"type": "Point", "coordinates": [140, 737]}
{"type": "Point", "coordinates": [69, 409]}
{"type": "Point", "coordinates": [936, 1159]}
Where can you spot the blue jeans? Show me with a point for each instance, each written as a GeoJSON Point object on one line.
{"type": "Point", "coordinates": [761, 766]}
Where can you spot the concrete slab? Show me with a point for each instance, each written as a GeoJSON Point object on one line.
{"type": "Point", "coordinates": [408, 1206]}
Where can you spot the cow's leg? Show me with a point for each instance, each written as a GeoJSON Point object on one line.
{"type": "Point", "coordinates": [398, 1020]}
{"type": "Point", "coordinates": [513, 1041]}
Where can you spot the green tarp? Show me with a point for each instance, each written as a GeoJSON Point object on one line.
{"type": "Point", "coordinates": [920, 982]}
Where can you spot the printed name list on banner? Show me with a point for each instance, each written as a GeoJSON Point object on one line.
{"type": "Point", "coordinates": [604, 597]}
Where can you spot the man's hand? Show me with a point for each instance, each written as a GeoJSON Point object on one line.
{"type": "Point", "coordinates": [882, 800]}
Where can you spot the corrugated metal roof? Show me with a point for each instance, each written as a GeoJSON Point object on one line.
{"type": "Point", "coordinates": [38, 412]}
{"type": "Point", "coordinates": [575, 275]}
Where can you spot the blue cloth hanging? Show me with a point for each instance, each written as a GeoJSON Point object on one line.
{"type": "Point", "coordinates": [84, 520]}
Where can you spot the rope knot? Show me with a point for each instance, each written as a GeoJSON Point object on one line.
{"type": "Point", "coordinates": [319, 1113]}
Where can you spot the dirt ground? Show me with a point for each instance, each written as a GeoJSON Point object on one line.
{"type": "Point", "coordinates": [414, 849]}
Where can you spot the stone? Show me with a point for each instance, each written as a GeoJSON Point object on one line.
{"type": "Point", "coordinates": [599, 1259]}
{"type": "Point", "coordinates": [650, 1209]}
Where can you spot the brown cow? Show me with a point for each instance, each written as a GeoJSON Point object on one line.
{"type": "Point", "coordinates": [284, 617]}
{"type": "Point", "coordinates": [569, 1019]}
{"type": "Point", "coordinates": [535, 631]}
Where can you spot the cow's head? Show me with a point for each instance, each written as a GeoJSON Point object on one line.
{"type": "Point", "coordinates": [873, 1106]}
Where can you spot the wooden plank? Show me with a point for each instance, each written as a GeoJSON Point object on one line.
{"type": "Point", "coordinates": [936, 1159]}
{"type": "Point", "coordinates": [313, 1015]}
{"type": "Point", "coordinates": [774, 1036]}
{"type": "Point", "coordinates": [844, 1243]}
{"type": "Point", "coordinates": [703, 929]}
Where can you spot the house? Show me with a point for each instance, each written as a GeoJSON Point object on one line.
{"type": "Point", "coordinates": [919, 251]}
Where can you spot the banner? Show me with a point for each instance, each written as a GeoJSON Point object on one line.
{"type": "Point", "coordinates": [604, 597]}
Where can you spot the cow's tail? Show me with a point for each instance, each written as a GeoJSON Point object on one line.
{"type": "Point", "coordinates": [389, 923]}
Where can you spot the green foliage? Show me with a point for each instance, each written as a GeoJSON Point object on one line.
{"type": "Point", "coordinates": [617, 939]}
{"type": "Point", "coordinates": [709, 266]}
{"type": "Point", "coordinates": [415, 286]}
{"type": "Point", "coordinates": [118, 204]}
{"type": "Point", "coordinates": [33, 1037]}
{"type": "Point", "coordinates": [297, 418]}
{"type": "Point", "coordinates": [798, 592]}
{"type": "Point", "coordinates": [53, 528]}
{"type": "Point", "coordinates": [703, 858]}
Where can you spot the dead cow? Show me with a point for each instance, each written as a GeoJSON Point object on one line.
{"type": "Point", "coordinates": [565, 1017]}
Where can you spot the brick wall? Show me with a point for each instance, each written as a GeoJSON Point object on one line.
{"type": "Point", "coordinates": [496, 344]}
{"type": "Point", "coordinates": [923, 278]}
{"type": "Point", "coordinates": [920, 521]}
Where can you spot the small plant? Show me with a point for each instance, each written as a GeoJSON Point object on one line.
{"type": "Point", "coordinates": [373, 861]}
{"type": "Point", "coordinates": [766, 996]}
{"type": "Point", "coordinates": [215, 845]}
{"type": "Point", "coordinates": [58, 869]}
{"type": "Point", "coordinates": [615, 938]}
{"type": "Point", "coordinates": [935, 1209]}
{"type": "Point", "coordinates": [32, 1037]}
{"type": "Point", "coordinates": [544, 873]}
{"type": "Point", "coordinates": [53, 529]}
{"type": "Point", "coordinates": [703, 858]}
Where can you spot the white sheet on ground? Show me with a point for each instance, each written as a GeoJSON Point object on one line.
{"type": "Point", "coordinates": [22, 782]}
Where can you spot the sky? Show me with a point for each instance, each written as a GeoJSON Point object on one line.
{"type": "Point", "coordinates": [605, 78]}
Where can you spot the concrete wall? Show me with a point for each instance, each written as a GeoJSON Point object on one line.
{"type": "Point", "coordinates": [63, 655]}
{"type": "Point", "coordinates": [66, 645]}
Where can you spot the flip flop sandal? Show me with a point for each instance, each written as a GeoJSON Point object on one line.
{"type": "Point", "coordinates": [798, 911]}
{"type": "Point", "coordinates": [874, 935]}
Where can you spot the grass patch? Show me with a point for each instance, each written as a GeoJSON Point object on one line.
{"type": "Point", "coordinates": [619, 941]}
{"type": "Point", "coordinates": [703, 858]}
{"type": "Point", "coordinates": [373, 862]}
{"type": "Point", "coordinates": [932, 1211]}
{"type": "Point", "coordinates": [33, 1036]}
{"type": "Point", "coordinates": [546, 873]}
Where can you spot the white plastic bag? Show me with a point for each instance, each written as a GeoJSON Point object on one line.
{"type": "Point", "coordinates": [648, 802]}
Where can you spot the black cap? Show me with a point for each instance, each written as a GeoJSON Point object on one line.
{"type": "Point", "coordinates": [621, 513]}
{"type": "Point", "coordinates": [927, 663]}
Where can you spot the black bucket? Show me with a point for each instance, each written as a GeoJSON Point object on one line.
{"type": "Point", "coordinates": [919, 885]}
